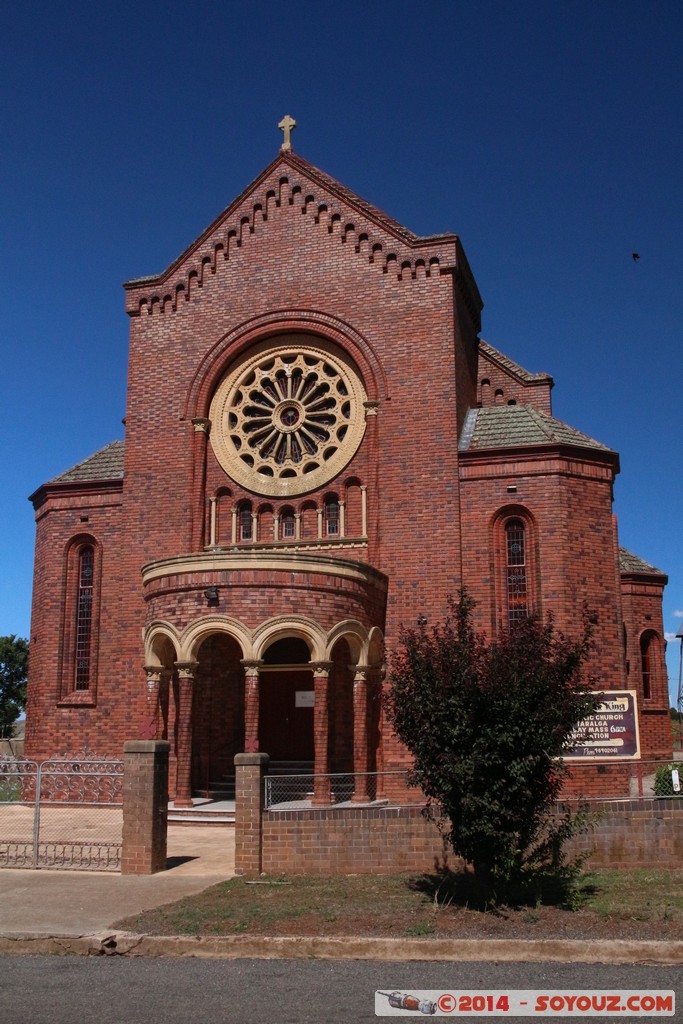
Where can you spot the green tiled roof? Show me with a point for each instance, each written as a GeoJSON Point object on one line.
{"type": "Point", "coordinates": [628, 562]}
{"type": "Point", "coordinates": [519, 426]}
{"type": "Point", "coordinates": [106, 464]}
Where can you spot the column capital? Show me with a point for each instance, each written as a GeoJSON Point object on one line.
{"type": "Point", "coordinates": [251, 667]}
{"type": "Point", "coordinates": [153, 673]}
{"type": "Point", "coordinates": [201, 425]}
{"type": "Point", "coordinates": [371, 408]}
{"type": "Point", "coordinates": [187, 669]}
{"type": "Point", "coordinates": [321, 668]}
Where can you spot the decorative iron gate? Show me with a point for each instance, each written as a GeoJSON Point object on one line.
{"type": "Point", "coordinates": [63, 813]}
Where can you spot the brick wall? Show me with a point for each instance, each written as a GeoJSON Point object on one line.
{"type": "Point", "coordinates": [629, 834]}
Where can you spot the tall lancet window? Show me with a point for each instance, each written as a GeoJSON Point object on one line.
{"type": "Point", "coordinates": [84, 615]}
{"type": "Point", "coordinates": [517, 583]}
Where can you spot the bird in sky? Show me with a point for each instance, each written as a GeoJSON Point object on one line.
{"type": "Point", "coordinates": [636, 256]}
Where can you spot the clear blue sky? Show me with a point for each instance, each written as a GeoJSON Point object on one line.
{"type": "Point", "coordinates": [547, 135]}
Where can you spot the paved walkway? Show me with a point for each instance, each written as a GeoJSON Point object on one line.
{"type": "Point", "coordinates": [83, 902]}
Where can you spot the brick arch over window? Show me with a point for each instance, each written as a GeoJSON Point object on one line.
{"type": "Point", "coordinates": [80, 624]}
{"type": "Point", "coordinates": [252, 332]}
{"type": "Point", "coordinates": [516, 566]}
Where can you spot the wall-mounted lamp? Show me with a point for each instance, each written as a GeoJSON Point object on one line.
{"type": "Point", "coordinates": [422, 620]}
{"type": "Point", "coordinates": [211, 595]}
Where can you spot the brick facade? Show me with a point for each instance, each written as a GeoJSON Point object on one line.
{"type": "Point", "coordinates": [230, 604]}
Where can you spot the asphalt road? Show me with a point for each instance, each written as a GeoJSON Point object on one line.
{"type": "Point", "coordinates": [117, 990]}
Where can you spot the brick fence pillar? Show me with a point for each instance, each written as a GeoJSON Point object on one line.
{"type": "Point", "coordinates": [145, 806]}
{"type": "Point", "coordinates": [249, 772]}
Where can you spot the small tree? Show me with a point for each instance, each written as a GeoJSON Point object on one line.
{"type": "Point", "coordinates": [487, 725]}
{"type": "Point", "coordinates": [13, 672]}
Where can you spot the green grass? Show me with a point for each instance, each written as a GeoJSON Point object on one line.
{"type": "Point", "coordinates": [10, 790]}
{"type": "Point", "coordinates": [642, 895]}
{"type": "Point", "coordinates": [606, 904]}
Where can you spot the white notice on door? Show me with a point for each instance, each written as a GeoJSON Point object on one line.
{"type": "Point", "coordinates": [305, 698]}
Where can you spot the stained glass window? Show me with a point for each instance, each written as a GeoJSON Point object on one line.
{"type": "Point", "coordinates": [517, 593]}
{"type": "Point", "coordinates": [86, 569]}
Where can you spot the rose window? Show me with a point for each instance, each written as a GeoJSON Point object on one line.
{"type": "Point", "coordinates": [288, 419]}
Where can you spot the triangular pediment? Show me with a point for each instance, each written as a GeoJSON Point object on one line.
{"type": "Point", "coordinates": [292, 181]}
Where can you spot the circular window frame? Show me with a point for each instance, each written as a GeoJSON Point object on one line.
{"type": "Point", "coordinates": [288, 417]}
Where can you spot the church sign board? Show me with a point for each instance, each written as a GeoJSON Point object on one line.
{"type": "Point", "coordinates": [609, 734]}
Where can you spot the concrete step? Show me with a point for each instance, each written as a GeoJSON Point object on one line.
{"type": "Point", "coordinates": [203, 812]}
{"type": "Point", "coordinates": [204, 820]}
{"type": "Point", "coordinates": [290, 768]}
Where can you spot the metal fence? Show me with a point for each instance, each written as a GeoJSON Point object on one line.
{"type": "Point", "coordinates": [63, 813]}
{"type": "Point", "coordinates": [290, 792]}
{"type": "Point", "coordinates": [622, 780]}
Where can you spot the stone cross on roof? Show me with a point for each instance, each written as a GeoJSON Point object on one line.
{"type": "Point", "coordinates": [287, 125]}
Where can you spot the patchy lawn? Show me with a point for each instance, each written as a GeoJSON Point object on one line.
{"type": "Point", "coordinates": [610, 905]}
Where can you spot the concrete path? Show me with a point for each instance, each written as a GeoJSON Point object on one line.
{"type": "Point", "coordinates": [72, 903]}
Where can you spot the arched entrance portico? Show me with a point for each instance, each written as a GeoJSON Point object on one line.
{"type": "Point", "coordinates": [302, 688]}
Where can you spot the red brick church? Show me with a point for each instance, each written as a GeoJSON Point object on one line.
{"type": "Point", "coordinates": [318, 448]}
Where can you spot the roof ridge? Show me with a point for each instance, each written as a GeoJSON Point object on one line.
{"type": "Point", "coordinates": [630, 562]}
{"type": "Point", "coordinates": [510, 364]}
{"type": "Point", "coordinates": [113, 471]}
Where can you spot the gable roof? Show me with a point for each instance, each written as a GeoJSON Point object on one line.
{"type": "Point", "coordinates": [291, 180]}
{"type": "Point", "coordinates": [630, 563]}
{"type": "Point", "coordinates": [105, 464]}
{"type": "Point", "coordinates": [383, 220]}
{"type": "Point", "coordinates": [511, 366]}
{"type": "Point", "coordinates": [519, 426]}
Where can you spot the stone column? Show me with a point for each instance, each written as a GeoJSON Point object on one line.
{"type": "Point", "coordinates": [251, 705]}
{"type": "Point", "coordinates": [145, 806]}
{"type": "Point", "coordinates": [201, 436]}
{"type": "Point", "coordinates": [212, 523]}
{"type": "Point", "coordinates": [372, 531]}
{"type": "Point", "coordinates": [148, 730]}
{"type": "Point", "coordinates": [249, 772]}
{"type": "Point", "coordinates": [378, 694]}
{"type": "Point", "coordinates": [360, 735]}
{"type": "Point", "coordinates": [186, 683]}
{"type": "Point", "coordinates": [321, 733]}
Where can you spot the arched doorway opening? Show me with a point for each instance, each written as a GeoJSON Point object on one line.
{"type": "Point", "coordinates": [286, 705]}
{"type": "Point", "coordinates": [341, 707]}
{"type": "Point", "coordinates": [218, 713]}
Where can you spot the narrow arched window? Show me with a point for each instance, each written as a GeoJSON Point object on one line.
{"type": "Point", "coordinates": [516, 572]}
{"type": "Point", "coordinates": [332, 517]}
{"type": "Point", "coordinates": [648, 646]}
{"type": "Point", "coordinates": [84, 617]}
{"type": "Point", "coordinates": [288, 524]}
{"type": "Point", "coordinates": [245, 522]}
